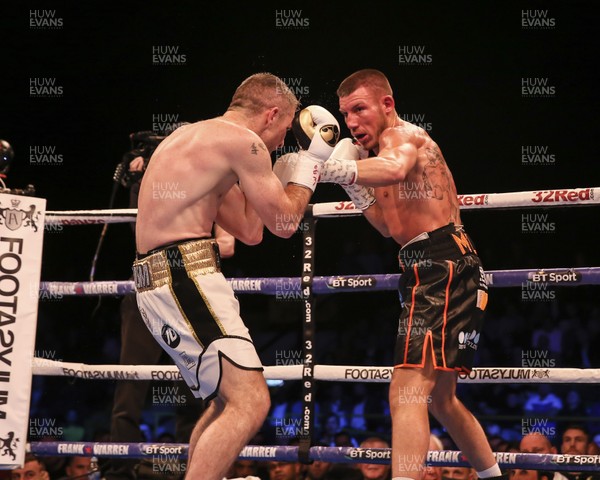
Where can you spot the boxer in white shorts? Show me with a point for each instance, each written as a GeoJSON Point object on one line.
{"type": "Point", "coordinates": [193, 182]}
{"type": "Point", "coordinates": [200, 321]}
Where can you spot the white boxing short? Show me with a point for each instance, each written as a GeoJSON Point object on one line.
{"type": "Point", "coordinates": [192, 312]}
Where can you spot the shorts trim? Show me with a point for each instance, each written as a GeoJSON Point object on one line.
{"type": "Point", "coordinates": [237, 365]}
{"type": "Point", "coordinates": [446, 305]}
{"type": "Point", "coordinates": [412, 309]}
{"type": "Point", "coordinates": [182, 287]}
{"type": "Point", "coordinates": [422, 365]}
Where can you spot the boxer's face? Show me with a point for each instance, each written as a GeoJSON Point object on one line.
{"type": "Point", "coordinates": [364, 116]}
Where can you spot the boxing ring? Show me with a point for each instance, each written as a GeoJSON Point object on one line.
{"type": "Point", "coordinates": [307, 286]}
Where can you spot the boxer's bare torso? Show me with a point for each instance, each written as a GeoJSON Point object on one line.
{"type": "Point", "coordinates": [190, 172]}
{"type": "Point", "coordinates": [427, 198]}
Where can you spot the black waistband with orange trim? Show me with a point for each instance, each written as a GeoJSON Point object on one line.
{"type": "Point", "coordinates": [449, 242]}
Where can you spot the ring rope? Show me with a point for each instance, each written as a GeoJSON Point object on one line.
{"type": "Point", "coordinates": [289, 287]}
{"type": "Point", "coordinates": [539, 461]}
{"type": "Point", "coordinates": [530, 199]}
{"type": "Point", "coordinates": [550, 198]}
{"type": "Point", "coordinates": [329, 373]}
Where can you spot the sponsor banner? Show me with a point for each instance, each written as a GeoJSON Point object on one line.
{"type": "Point", "coordinates": [555, 276]}
{"type": "Point", "coordinates": [246, 284]}
{"type": "Point", "coordinates": [161, 449]}
{"type": "Point", "coordinates": [21, 240]}
{"type": "Point", "coordinates": [475, 200]}
{"type": "Point", "coordinates": [549, 198]}
{"type": "Point", "coordinates": [505, 375]}
{"type": "Point", "coordinates": [259, 452]}
{"type": "Point", "coordinates": [362, 282]}
{"type": "Point", "coordinates": [383, 374]}
{"type": "Point", "coordinates": [110, 450]}
{"type": "Point", "coordinates": [370, 454]}
{"type": "Point", "coordinates": [326, 454]}
{"type": "Point", "coordinates": [576, 459]}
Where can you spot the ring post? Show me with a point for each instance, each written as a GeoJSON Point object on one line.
{"type": "Point", "coordinates": [21, 240]}
{"type": "Point", "coordinates": [308, 330]}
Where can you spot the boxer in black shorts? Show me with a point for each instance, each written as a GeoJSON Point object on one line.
{"type": "Point", "coordinates": [444, 296]}
{"type": "Point", "coordinates": [396, 174]}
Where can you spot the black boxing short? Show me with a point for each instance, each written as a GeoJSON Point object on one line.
{"type": "Point", "coordinates": [444, 294]}
{"type": "Point", "coordinates": [191, 310]}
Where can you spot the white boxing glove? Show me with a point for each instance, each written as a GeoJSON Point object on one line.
{"type": "Point", "coordinates": [317, 132]}
{"type": "Point", "coordinates": [285, 166]}
{"type": "Point", "coordinates": [341, 166]}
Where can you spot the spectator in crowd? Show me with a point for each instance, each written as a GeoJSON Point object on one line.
{"type": "Point", "coordinates": [331, 426]}
{"type": "Point", "coordinates": [317, 470]}
{"type": "Point", "coordinates": [373, 471]}
{"type": "Point", "coordinates": [344, 439]}
{"type": "Point", "coordinates": [430, 472]}
{"type": "Point", "coordinates": [244, 468]}
{"type": "Point", "coordinates": [536, 442]}
{"type": "Point", "coordinates": [284, 470]}
{"type": "Point", "coordinates": [33, 469]}
{"type": "Point", "coordinates": [458, 473]}
{"type": "Point", "coordinates": [77, 466]}
{"type": "Point", "coordinates": [520, 474]}
{"type": "Point", "coordinates": [576, 441]}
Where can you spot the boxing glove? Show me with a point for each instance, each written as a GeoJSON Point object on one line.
{"type": "Point", "coordinates": [317, 132]}
{"type": "Point", "coordinates": [341, 167]}
{"type": "Point", "coordinates": [361, 196]}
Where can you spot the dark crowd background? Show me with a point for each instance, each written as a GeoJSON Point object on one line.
{"type": "Point", "coordinates": [467, 91]}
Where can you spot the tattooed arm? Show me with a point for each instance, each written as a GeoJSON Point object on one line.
{"type": "Point", "coordinates": [437, 179]}
{"type": "Point", "coordinates": [280, 210]}
{"type": "Point", "coordinates": [435, 174]}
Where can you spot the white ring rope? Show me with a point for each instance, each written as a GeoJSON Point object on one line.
{"type": "Point", "coordinates": [532, 199]}
{"type": "Point", "coordinates": [330, 373]}
{"type": "Point", "coordinates": [91, 217]}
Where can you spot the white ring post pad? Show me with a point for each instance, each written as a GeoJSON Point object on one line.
{"type": "Point", "coordinates": [21, 241]}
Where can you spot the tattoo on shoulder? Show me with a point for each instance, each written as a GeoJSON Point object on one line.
{"type": "Point", "coordinates": [435, 174]}
{"type": "Point", "coordinates": [255, 146]}
{"type": "Point", "coordinates": [434, 156]}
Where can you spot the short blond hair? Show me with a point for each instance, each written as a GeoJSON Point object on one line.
{"type": "Point", "coordinates": [368, 77]}
{"type": "Point", "coordinates": [262, 91]}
